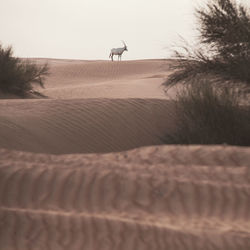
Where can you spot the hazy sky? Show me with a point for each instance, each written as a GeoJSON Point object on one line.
{"type": "Point", "coordinates": [88, 29]}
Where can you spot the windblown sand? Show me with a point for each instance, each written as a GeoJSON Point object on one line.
{"type": "Point", "coordinates": [75, 172]}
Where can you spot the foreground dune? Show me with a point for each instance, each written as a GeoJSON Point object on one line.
{"type": "Point", "coordinates": [166, 197]}
{"type": "Point", "coordinates": [155, 197]}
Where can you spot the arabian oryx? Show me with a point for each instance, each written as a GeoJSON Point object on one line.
{"type": "Point", "coordinates": [118, 52]}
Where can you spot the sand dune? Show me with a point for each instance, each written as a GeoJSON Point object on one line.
{"type": "Point", "coordinates": [92, 106]}
{"type": "Point", "coordinates": [105, 79]}
{"type": "Point", "coordinates": [83, 125]}
{"type": "Point", "coordinates": [150, 198]}
{"type": "Point", "coordinates": [155, 197]}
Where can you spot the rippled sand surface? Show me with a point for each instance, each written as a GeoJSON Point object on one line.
{"type": "Point", "coordinates": [85, 168]}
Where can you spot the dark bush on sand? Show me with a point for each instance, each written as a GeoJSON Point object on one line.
{"type": "Point", "coordinates": [213, 78]}
{"type": "Point", "coordinates": [210, 115]}
{"type": "Point", "coordinates": [17, 76]}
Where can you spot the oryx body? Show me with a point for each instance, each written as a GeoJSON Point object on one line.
{"type": "Point", "coordinates": [118, 52]}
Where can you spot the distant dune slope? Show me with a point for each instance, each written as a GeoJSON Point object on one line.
{"type": "Point", "coordinates": [166, 197]}
{"type": "Point", "coordinates": [105, 79]}
{"type": "Point", "coordinates": [83, 125]}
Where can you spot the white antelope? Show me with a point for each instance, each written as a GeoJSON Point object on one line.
{"type": "Point", "coordinates": [118, 52]}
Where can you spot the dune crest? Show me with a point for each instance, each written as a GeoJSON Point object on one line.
{"type": "Point", "coordinates": [83, 125]}
{"type": "Point", "coordinates": [105, 79]}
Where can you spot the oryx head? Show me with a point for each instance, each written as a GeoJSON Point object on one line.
{"type": "Point", "coordinates": [125, 46]}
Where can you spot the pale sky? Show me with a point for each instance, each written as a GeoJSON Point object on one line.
{"type": "Point", "coordinates": [88, 29]}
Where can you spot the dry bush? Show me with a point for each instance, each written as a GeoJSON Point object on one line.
{"type": "Point", "coordinates": [17, 76]}
{"type": "Point", "coordinates": [209, 115]}
{"type": "Point", "coordinates": [225, 42]}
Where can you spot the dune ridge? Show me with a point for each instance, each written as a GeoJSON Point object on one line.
{"type": "Point", "coordinates": [104, 79]}
{"type": "Point", "coordinates": [113, 201]}
{"type": "Point", "coordinates": [83, 125]}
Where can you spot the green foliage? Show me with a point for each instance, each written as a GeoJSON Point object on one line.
{"type": "Point", "coordinates": [17, 76]}
{"type": "Point", "coordinates": [209, 115]}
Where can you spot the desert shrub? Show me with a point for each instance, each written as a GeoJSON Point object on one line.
{"type": "Point", "coordinates": [225, 42]}
{"type": "Point", "coordinates": [210, 115]}
{"type": "Point", "coordinates": [17, 75]}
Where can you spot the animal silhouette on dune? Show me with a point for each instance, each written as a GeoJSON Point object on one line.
{"type": "Point", "coordinates": [118, 52]}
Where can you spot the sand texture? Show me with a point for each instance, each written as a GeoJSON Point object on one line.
{"type": "Point", "coordinates": [164, 197]}
{"type": "Point", "coordinates": [83, 125]}
{"type": "Point", "coordinates": [105, 79]}
{"type": "Point", "coordinates": [85, 168]}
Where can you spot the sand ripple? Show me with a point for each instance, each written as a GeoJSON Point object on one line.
{"type": "Point", "coordinates": [83, 125]}
{"type": "Point", "coordinates": [162, 197]}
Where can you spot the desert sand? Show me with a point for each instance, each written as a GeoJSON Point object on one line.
{"type": "Point", "coordinates": [85, 168]}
